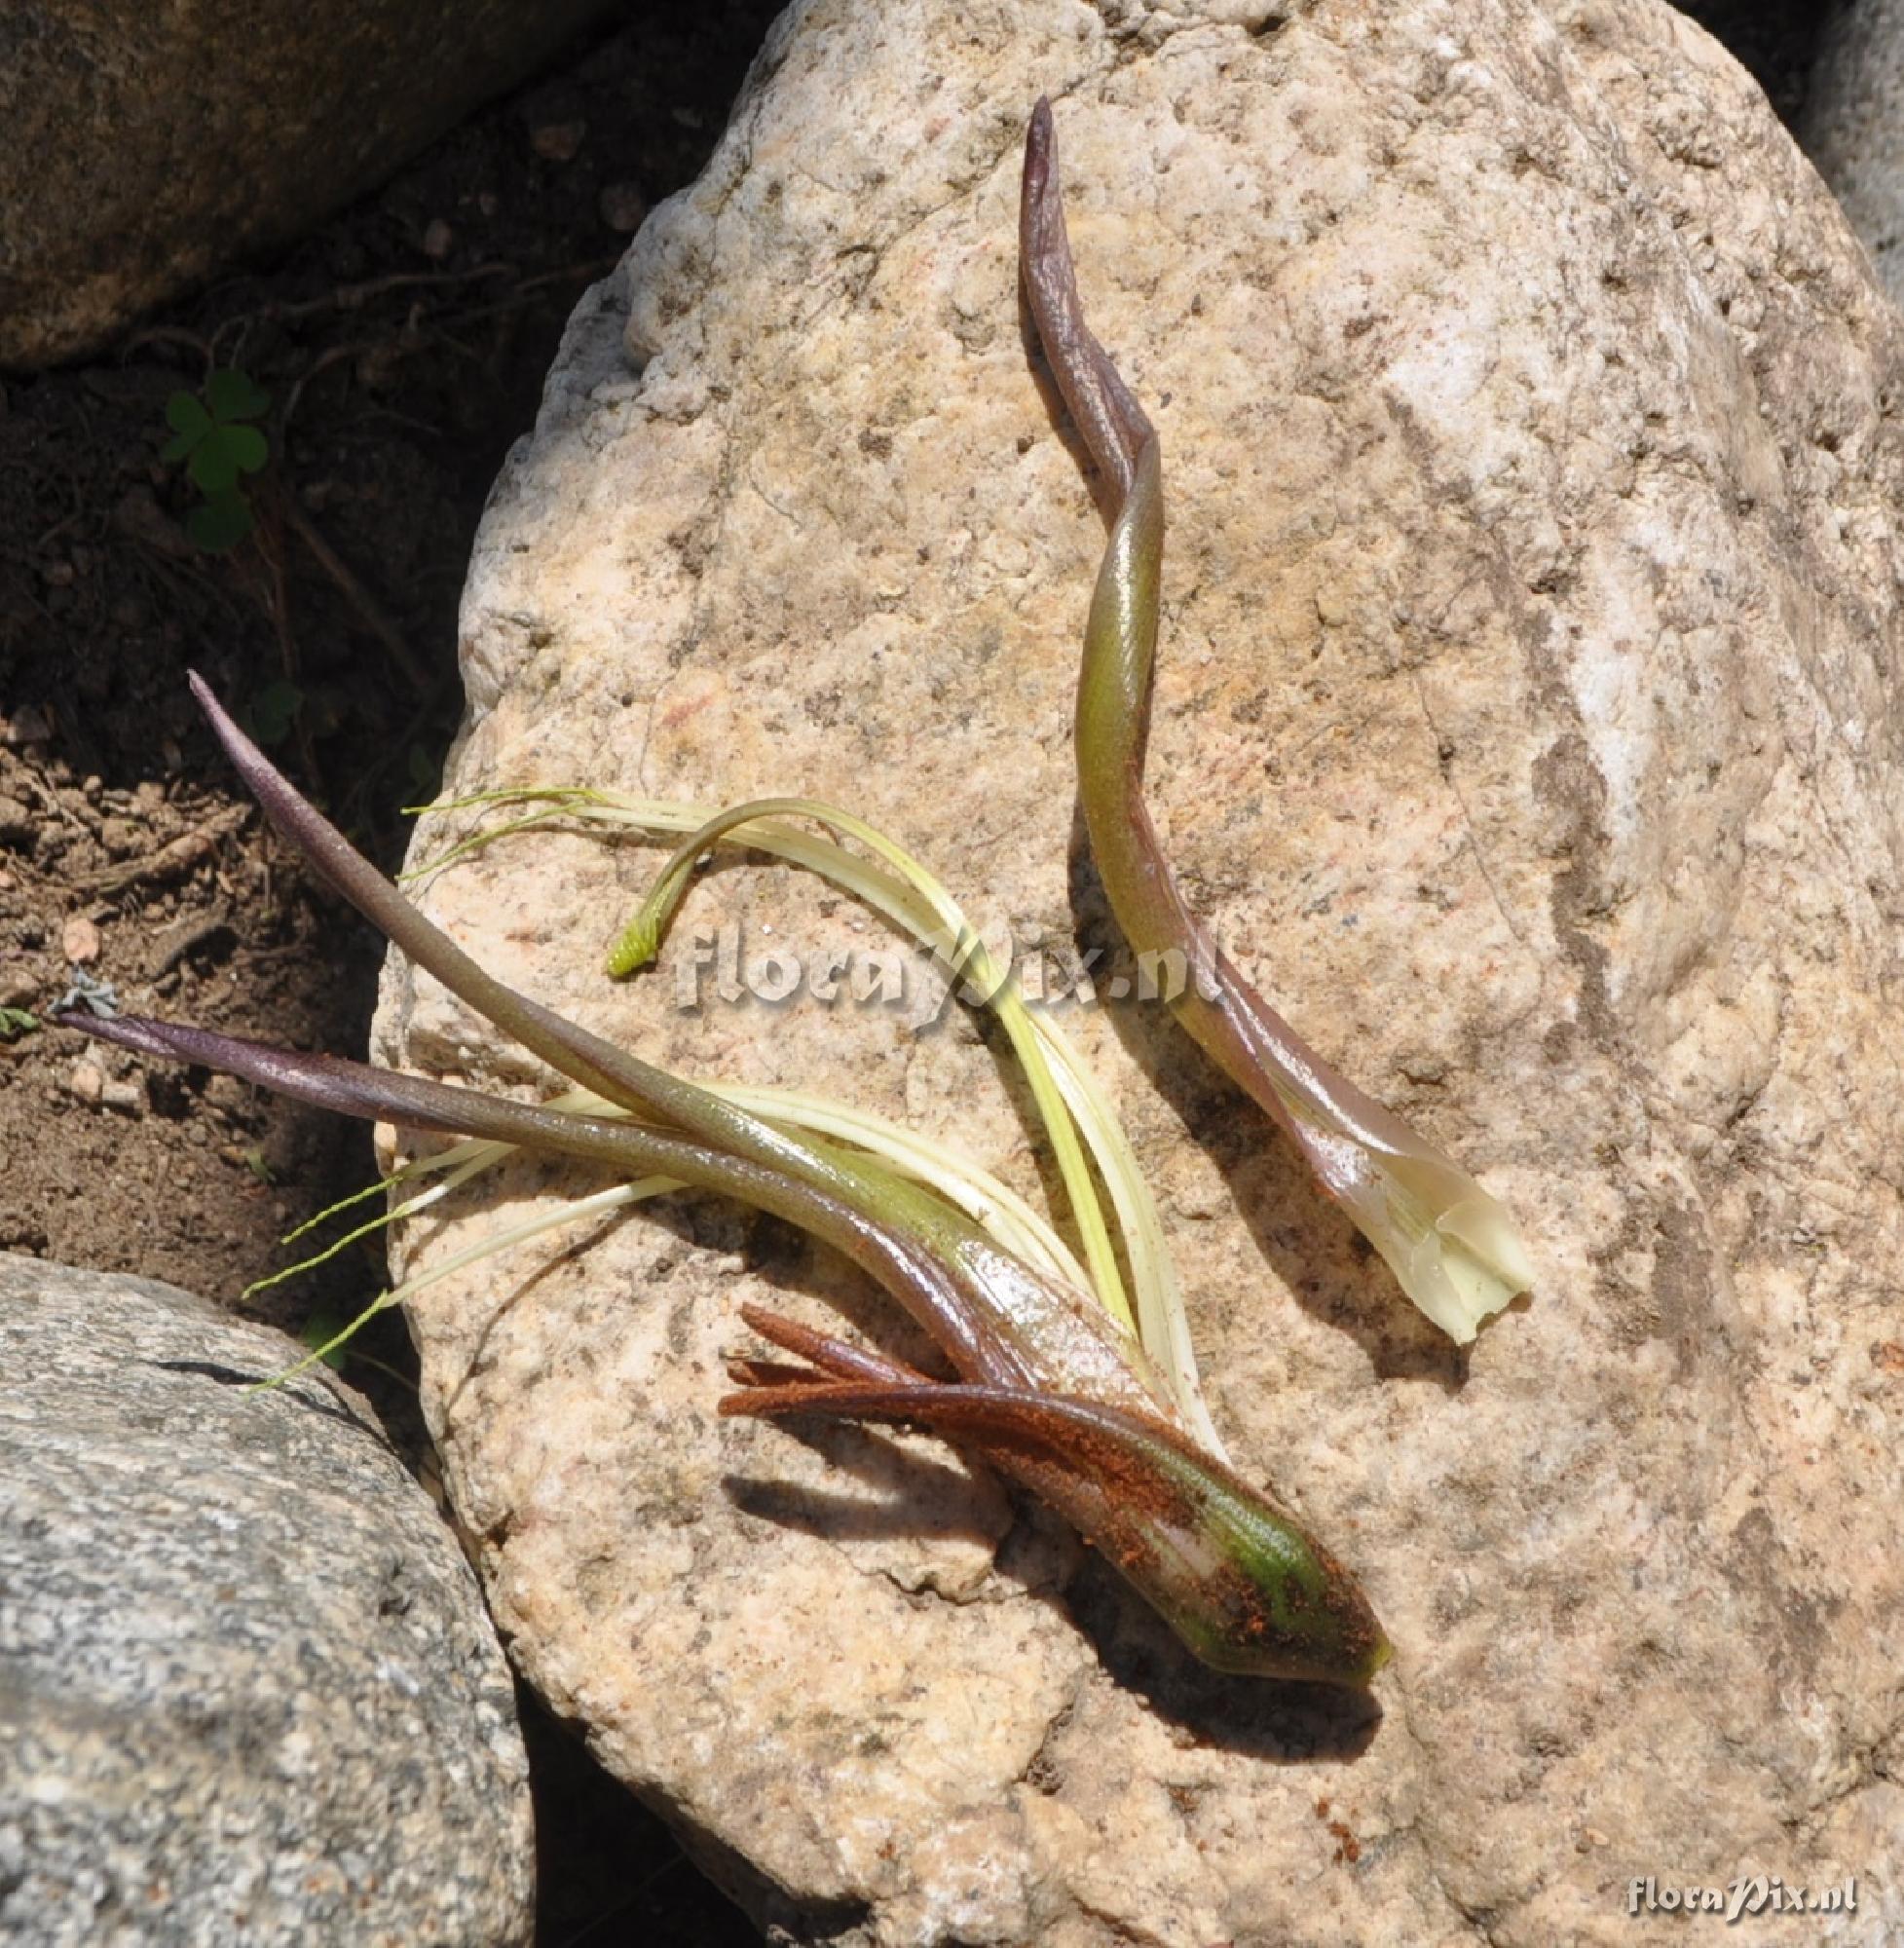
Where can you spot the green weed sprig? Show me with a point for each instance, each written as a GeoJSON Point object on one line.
{"type": "Point", "coordinates": [212, 434]}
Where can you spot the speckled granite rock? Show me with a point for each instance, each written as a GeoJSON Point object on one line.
{"type": "Point", "coordinates": [147, 146]}
{"type": "Point", "coordinates": [1853, 125]}
{"type": "Point", "coordinates": [249, 1693]}
{"type": "Point", "coordinates": [1526, 720]}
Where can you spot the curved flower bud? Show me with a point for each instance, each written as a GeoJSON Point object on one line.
{"type": "Point", "coordinates": [1245, 1587]}
{"type": "Point", "coordinates": [1452, 1248]}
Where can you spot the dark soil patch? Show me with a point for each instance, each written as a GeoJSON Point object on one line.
{"type": "Point", "coordinates": [404, 348]}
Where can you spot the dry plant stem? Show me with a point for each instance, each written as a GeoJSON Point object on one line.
{"type": "Point", "coordinates": [376, 617]}
{"type": "Point", "coordinates": [1451, 1246]}
{"type": "Point", "coordinates": [835, 1359]}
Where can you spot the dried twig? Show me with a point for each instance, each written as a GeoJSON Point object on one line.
{"type": "Point", "coordinates": [172, 860]}
{"type": "Point", "coordinates": [376, 619]}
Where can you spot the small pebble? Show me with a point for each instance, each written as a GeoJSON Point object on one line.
{"type": "Point", "coordinates": [88, 1082]}
{"type": "Point", "coordinates": [29, 725]}
{"type": "Point", "coordinates": [127, 1096]}
{"type": "Point", "coordinates": [621, 208]}
{"type": "Point", "coordinates": [558, 141]}
{"type": "Point", "coordinates": [226, 1092]}
{"type": "Point", "coordinates": [438, 240]}
{"type": "Point", "coordinates": [79, 940]}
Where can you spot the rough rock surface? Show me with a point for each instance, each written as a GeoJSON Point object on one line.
{"type": "Point", "coordinates": [1527, 720]}
{"type": "Point", "coordinates": [1854, 125]}
{"type": "Point", "coordinates": [251, 117]}
{"type": "Point", "coordinates": [249, 1693]}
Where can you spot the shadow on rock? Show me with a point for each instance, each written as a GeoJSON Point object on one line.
{"type": "Point", "coordinates": [912, 1494]}
{"type": "Point", "coordinates": [1261, 1718]}
{"type": "Point", "coordinates": [1308, 1241]}
{"type": "Point", "coordinates": [313, 1397]}
{"type": "Point", "coordinates": [1286, 1723]}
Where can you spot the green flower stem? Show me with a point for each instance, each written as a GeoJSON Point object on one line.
{"type": "Point", "coordinates": [1006, 1215]}
{"type": "Point", "coordinates": [1452, 1246]}
{"type": "Point", "coordinates": [898, 1236]}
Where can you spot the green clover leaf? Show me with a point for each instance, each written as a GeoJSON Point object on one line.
{"type": "Point", "coordinates": [235, 396]}
{"type": "Point", "coordinates": [221, 521]}
{"type": "Point", "coordinates": [189, 421]}
{"type": "Point", "coordinates": [209, 434]}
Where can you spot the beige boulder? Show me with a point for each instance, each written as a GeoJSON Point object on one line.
{"type": "Point", "coordinates": [1525, 722]}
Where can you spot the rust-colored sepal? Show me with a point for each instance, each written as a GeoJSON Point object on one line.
{"type": "Point", "coordinates": [1244, 1586]}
